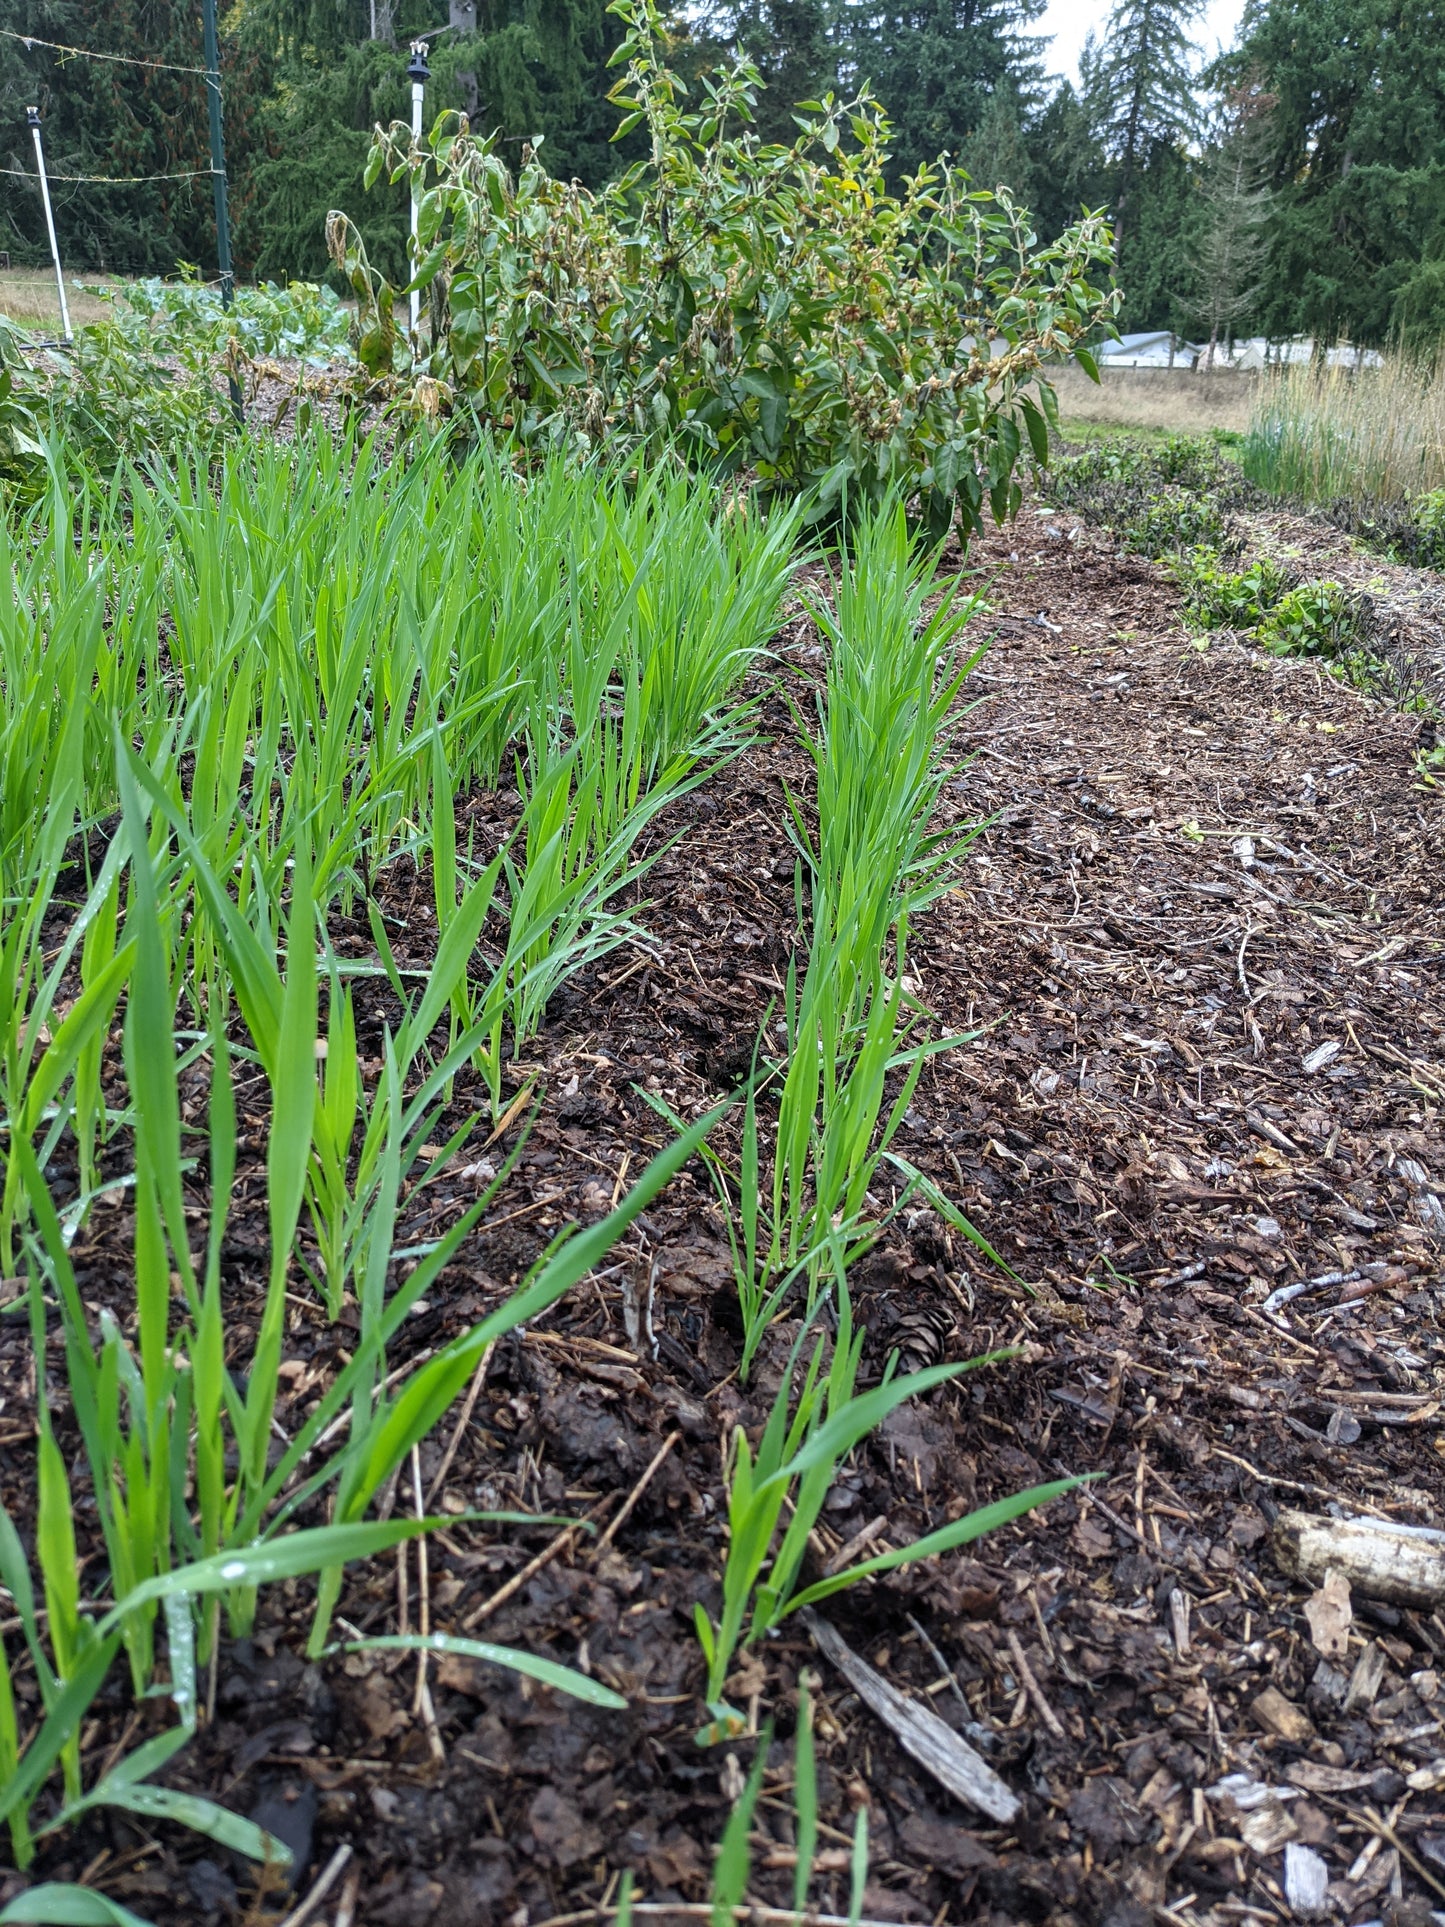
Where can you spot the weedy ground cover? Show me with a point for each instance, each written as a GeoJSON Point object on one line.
{"type": "Point", "coordinates": [823, 1110]}
{"type": "Point", "coordinates": [1162, 498]}
{"type": "Point", "coordinates": [1282, 612]}
{"type": "Point", "coordinates": [275, 709]}
{"type": "Point", "coordinates": [235, 702]}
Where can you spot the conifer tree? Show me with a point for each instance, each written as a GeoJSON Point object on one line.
{"type": "Point", "coordinates": [1069, 169]}
{"type": "Point", "coordinates": [936, 64]}
{"type": "Point", "coordinates": [998, 150]}
{"type": "Point", "coordinates": [1356, 156]}
{"type": "Point", "coordinates": [1233, 241]}
{"type": "Point", "coordinates": [126, 121]}
{"type": "Point", "coordinates": [1142, 92]}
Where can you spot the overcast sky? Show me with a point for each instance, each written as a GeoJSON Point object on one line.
{"type": "Point", "coordinates": [1070, 20]}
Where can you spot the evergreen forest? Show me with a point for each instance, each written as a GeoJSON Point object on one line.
{"type": "Point", "coordinates": [1294, 184]}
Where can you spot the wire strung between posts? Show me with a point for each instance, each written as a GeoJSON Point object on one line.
{"type": "Point", "coordinates": [112, 180]}
{"type": "Point", "coordinates": [28, 40]}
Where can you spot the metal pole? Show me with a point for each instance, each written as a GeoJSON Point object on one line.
{"type": "Point", "coordinates": [218, 175]}
{"type": "Point", "coordinates": [420, 73]}
{"type": "Point", "coordinates": [218, 154]}
{"type": "Point", "coordinates": [32, 115]}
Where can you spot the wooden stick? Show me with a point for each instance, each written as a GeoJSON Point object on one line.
{"type": "Point", "coordinates": [1031, 1685]}
{"type": "Point", "coordinates": [330, 1874]}
{"type": "Point", "coordinates": [704, 1910]}
{"type": "Point", "coordinates": [350, 1894]}
{"type": "Point", "coordinates": [918, 1729]}
{"type": "Point", "coordinates": [531, 1569]}
{"type": "Point", "coordinates": [1386, 1827]}
{"type": "Point", "coordinates": [1380, 1559]}
{"type": "Point", "coordinates": [1294, 1485]}
{"type": "Point", "coordinates": [635, 1494]}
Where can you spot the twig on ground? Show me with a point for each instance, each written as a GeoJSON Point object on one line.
{"type": "Point", "coordinates": [750, 1913]}
{"type": "Point", "coordinates": [1385, 1829]}
{"type": "Point", "coordinates": [350, 1894]}
{"type": "Point", "coordinates": [943, 1665]}
{"type": "Point", "coordinates": [918, 1729]}
{"type": "Point", "coordinates": [533, 1566]}
{"type": "Point", "coordinates": [635, 1494]}
{"type": "Point", "coordinates": [1294, 1485]}
{"type": "Point", "coordinates": [421, 1699]}
{"type": "Point", "coordinates": [1029, 1681]}
{"type": "Point", "coordinates": [327, 1879]}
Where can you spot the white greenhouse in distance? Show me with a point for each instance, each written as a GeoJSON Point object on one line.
{"type": "Point", "coordinates": [1161, 350]}
{"type": "Point", "coordinates": [1259, 353]}
{"type": "Point", "coordinates": [1164, 350]}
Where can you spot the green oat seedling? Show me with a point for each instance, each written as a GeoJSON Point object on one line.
{"type": "Point", "coordinates": [804, 1441]}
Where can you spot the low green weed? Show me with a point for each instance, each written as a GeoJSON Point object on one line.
{"type": "Point", "coordinates": [1220, 598]}
{"type": "Point", "coordinates": [1160, 499]}
{"type": "Point", "coordinates": [1427, 516]}
{"type": "Point", "coordinates": [844, 1069]}
{"type": "Point", "coordinates": [1318, 618]}
{"type": "Point", "coordinates": [162, 1422]}
{"type": "Point", "coordinates": [1430, 767]}
{"type": "Point", "coordinates": [21, 446]}
{"type": "Point", "coordinates": [1174, 522]}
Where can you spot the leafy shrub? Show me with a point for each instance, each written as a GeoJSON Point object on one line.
{"type": "Point", "coordinates": [1175, 521]}
{"type": "Point", "coordinates": [1316, 619]}
{"type": "Point", "coordinates": [151, 375]}
{"type": "Point", "coordinates": [1427, 514]}
{"type": "Point", "coordinates": [1286, 616]}
{"type": "Point", "coordinates": [1217, 598]}
{"type": "Point", "coordinates": [778, 309]}
{"type": "Point", "coordinates": [19, 422]}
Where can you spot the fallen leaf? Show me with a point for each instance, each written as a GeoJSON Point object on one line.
{"type": "Point", "coordinates": [1093, 1540]}
{"type": "Point", "coordinates": [1329, 1614]}
{"type": "Point", "coordinates": [1105, 1810]}
{"type": "Point", "coordinates": [941, 1844]}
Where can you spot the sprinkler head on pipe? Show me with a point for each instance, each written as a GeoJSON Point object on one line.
{"type": "Point", "coordinates": [417, 69]}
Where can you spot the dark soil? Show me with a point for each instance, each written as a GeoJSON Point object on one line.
{"type": "Point", "coordinates": [1201, 868]}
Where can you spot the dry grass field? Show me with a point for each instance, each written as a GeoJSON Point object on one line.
{"type": "Point", "coordinates": [27, 295]}
{"type": "Point", "coordinates": [1175, 399]}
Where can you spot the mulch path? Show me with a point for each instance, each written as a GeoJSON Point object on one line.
{"type": "Point", "coordinates": [1201, 942]}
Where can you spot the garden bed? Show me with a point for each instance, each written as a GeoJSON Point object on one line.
{"type": "Point", "coordinates": [1200, 869]}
